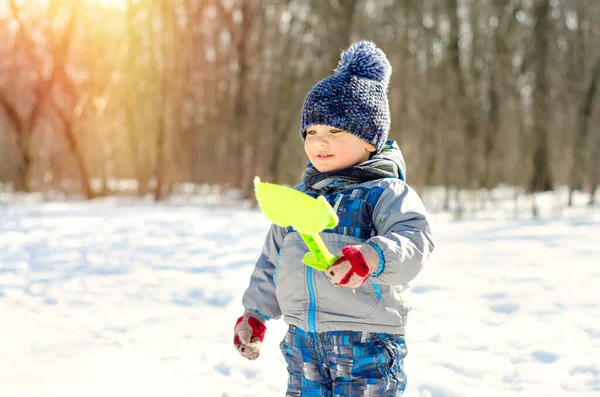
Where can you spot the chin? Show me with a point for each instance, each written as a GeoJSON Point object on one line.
{"type": "Point", "coordinates": [323, 170]}
{"type": "Point", "coordinates": [326, 167]}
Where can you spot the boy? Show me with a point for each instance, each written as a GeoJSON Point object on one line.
{"type": "Point", "coordinates": [347, 324]}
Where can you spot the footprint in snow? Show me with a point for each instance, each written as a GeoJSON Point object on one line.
{"type": "Point", "coordinates": [544, 356]}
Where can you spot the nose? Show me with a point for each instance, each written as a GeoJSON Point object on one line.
{"type": "Point", "coordinates": [320, 141]}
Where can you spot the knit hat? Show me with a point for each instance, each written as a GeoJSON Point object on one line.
{"type": "Point", "coordinates": [353, 99]}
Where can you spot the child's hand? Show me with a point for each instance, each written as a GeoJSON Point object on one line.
{"type": "Point", "coordinates": [354, 267]}
{"type": "Point", "coordinates": [248, 334]}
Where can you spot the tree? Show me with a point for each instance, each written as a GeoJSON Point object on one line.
{"type": "Point", "coordinates": [541, 178]}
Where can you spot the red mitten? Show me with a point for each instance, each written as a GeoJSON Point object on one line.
{"type": "Point", "coordinates": [354, 267]}
{"type": "Point", "coordinates": [248, 334]}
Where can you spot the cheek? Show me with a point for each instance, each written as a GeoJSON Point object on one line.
{"type": "Point", "coordinates": [345, 152]}
{"type": "Point", "coordinates": [306, 148]}
{"type": "Point", "coordinates": [352, 155]}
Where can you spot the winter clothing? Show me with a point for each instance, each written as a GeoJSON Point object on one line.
{"type": "Point", "coordinates": [249, 332]}
{"type": "Point", "coordinates": [346, 341]}
{"type": "Point", "coordinates": [355, 266]}
{"type": "Point", "coordinates": [353, 99]}
{"type": "Point", "coordinates": [344, 363]}
{"type": "Point", "coordinates": [384, 213]}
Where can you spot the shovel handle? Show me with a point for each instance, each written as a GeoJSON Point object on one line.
{"type": "Point", "coordinates": [319, 256]}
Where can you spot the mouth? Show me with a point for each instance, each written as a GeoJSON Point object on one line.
{"type": "Point", "coordinates": [324, 156]}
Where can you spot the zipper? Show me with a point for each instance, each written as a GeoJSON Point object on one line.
{"type": "Point", "coordinates": [377, 290]}
{"type": "Point", "coordinates": [276, 267]}
{"type": "Point", "coordinates": [312, 309]}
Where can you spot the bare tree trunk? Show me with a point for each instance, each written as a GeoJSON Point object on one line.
{"type": "Point", "coordinates": [68, 123]}
{"type": "Point", "coordinates": [282, 99]}
{"type": "Point", "coordinates": [581, 148]}
{"type": "Point", "coordinates": [21, 184]}
{"type": "Point", "coordinates": [44, 96]}
{"type": "Point", "coordinates": [341, 14]}
{"type": "Point", "coordinates": [541, 179]}
{"type": "Point", "coordinates": [167, 42]}
{"type": "Point", "coordinates": [240, 107]}
{"type": "Point", "coordinates": [466, 109]}
{"type": "Point", "coordinates": [68, 117]}
{"type": "Point", "coordinates": [139, 113]}
{"type": "Point", "coordinates": [595, 170]}
{"type": "Point", "coordinates": [595, 155]}
{"type": "Point", "coordinates": [501, 61]}
{"type": "Point", "coordinates": [576, 75]}
{"type": "Point", "coordinates": [491, 132]}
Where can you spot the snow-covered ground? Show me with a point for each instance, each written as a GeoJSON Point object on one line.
{"type": "Point", "coordinates": [127, 298]}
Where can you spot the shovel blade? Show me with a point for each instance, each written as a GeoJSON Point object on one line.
{"type": "Point", "coordinates": [285, 206]}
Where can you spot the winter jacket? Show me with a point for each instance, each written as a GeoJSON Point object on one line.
{"type": "Point", "coordinates": [383, 212]}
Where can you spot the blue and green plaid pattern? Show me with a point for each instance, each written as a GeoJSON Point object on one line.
{"type": "Point", "coordinates": [344, 363]}
{"type": "Point", "coordinates": [355, 212]}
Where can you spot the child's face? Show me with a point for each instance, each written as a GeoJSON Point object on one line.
{"type": "Point", "coordinates": [331, 149]}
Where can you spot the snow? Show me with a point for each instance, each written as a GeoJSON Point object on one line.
{"type": "Point", "coordinates": [128, 298]}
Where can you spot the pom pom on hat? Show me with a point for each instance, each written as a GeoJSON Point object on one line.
{"type": "Point", "coordinates": [366, 60]}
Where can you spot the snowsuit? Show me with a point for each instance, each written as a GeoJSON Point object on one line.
{"type": "Point", "coordinates": [343, 342]}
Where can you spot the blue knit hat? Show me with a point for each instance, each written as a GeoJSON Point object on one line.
{"type": "Point", "coordinates": [353, 99]}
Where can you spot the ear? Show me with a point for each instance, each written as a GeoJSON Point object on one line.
{"type": "Point", "coordinates": [371, 148]}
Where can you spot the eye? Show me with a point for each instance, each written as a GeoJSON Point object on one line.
{"type": "Point", "coordinates": [311, 132]}
{"type": "Point", "coordinates": [335, 131]}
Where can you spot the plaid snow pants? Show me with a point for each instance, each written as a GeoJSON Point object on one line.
{"type": "Point", "coordinates": [344, 363]}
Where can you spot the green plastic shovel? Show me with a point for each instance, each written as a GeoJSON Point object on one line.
{"type": "Point", "coordinates": [285, 206]}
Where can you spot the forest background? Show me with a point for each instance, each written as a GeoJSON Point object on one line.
{"type": "Point", "coordinates": [174, 94]}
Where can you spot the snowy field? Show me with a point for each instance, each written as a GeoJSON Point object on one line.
{"type": "Point", "coordinates": [125, 298]}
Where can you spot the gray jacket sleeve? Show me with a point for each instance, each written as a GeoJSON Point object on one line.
{"type": "Point", "coordinates": [260, 295]}
{"type": "Point", "coordinates": [404, 239]}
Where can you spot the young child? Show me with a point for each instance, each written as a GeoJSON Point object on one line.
{"type": "Point", "coordinates": [346, 325]}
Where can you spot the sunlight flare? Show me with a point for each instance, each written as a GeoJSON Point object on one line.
{"type": "Point", "coordinates": [114, 4]}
